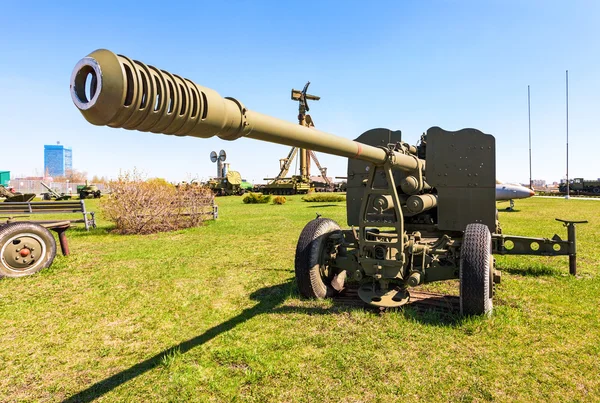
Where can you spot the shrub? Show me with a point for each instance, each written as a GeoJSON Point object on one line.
{"type": "Point", "coordinates": [139, 206]}
{"type": "Point", "coordinates": [256, 198]}
{"type": "Point", "coordinates": [279, 200]}
{"type": "Point", "coordinates": [324, 197]}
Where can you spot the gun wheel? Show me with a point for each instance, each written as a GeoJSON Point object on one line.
{"type": "Point", "coordinates": [476, 276]}
{"type": "Point", "coordinates": [315, 249]}
{"type": "Point", "coordinates": [25, 248]}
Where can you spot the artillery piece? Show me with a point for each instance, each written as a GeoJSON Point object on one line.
{"type": "Point", "coordinates": [53, 194]}
{"type": "Point", "coordinates": [418, 214]}
{"type": "Point", "coordinates": [15, 197]}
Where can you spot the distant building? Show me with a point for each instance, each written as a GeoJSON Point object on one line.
{"type": "Point", "coordinates": [538, 183]}
{"type": "Point", "coordinates": [58, 160]}
{"type": "Point", "coordinates": [4, 178]}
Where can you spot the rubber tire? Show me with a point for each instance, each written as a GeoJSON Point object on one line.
{"type": "Point", "coordinates": [9, 230]}
{"type": "Point", "coordinates": [310, 245]}
{"type": "Point", "coordinates": [475, 271]}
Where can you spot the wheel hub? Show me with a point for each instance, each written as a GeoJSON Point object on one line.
{"type": "Point", "coordinates": [22, 251]}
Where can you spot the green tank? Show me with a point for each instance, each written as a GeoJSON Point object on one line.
{"type": "Point", "coordinates": [417, 213]}
{"type": "Point", "coordinates": [88, 191]}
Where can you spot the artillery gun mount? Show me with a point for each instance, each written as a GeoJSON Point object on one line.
{"type": "Point", "coordinates": [417, 214]}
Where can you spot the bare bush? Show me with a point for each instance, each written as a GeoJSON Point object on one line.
{"type": "Point", "coordinates": [71, 175]}
{"type": "Point", "coordinates": [139, 206]}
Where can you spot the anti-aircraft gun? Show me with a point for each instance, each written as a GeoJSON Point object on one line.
{"type": "Point", "coordinates": [418, 214]}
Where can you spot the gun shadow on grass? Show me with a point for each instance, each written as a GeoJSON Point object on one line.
{"type": "Point", "coordinates": [270, 300]}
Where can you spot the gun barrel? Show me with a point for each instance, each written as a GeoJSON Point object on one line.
{"type": "Point", "coordinates": [114, 90]}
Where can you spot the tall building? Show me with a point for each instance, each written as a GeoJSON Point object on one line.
{"type": "Point", "coordinates": [58, 160]}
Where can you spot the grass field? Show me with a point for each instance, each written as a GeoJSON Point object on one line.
{"type": "Point", "coordinates": [212, 314]}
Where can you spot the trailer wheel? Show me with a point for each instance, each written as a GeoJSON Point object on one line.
{"type": "Point", "coordinates": [25, 248]}
{"type": "Point", "coordinates": [314, 249]}
{"type": "Point", "coordinates": [475, 272]}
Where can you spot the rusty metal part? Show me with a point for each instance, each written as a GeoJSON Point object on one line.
{"type": "Point", "coordinates": [60, 228]}
{"type": "Point", "coordinates": [419, 300]}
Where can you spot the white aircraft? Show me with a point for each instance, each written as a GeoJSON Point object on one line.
{"type": "Point", "coordinates": [509, 192]}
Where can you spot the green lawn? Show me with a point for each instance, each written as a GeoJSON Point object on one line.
{"type": "Point", "coordinates": [212, 314]}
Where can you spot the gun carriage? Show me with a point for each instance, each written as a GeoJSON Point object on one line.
{"type": "Point", "coordinates": [417, 214]}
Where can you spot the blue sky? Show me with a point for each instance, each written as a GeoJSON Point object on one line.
{"type": "Point", "coordinates": [401, 65]}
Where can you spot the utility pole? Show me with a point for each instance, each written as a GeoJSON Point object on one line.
{"type": "Point", "coordinates": [529, 117]}
{"type": "Point", "coordinates": [567, 87]}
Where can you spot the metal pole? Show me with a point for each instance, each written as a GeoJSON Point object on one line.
{"type": "Point", "coordinates": [567, 86]}
{"type": "Point", "coordinates": [572, 248]}
{"type": "Point", "coordinates": [529, 116]}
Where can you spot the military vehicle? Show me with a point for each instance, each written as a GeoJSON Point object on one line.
{"type": "Point", "coordinates": [302, 183]}
{"type": "Point", "coordinates": [88, 191]}
{"type": "Point", "coordinates": [227, 186]}
{"type": "Point", "coordinates": [15, 196]}
{"type": "Point", "coordinates": [53, 194]}
{"type": "Point", "coordinates": [247, 186]}
{"type": "Point", "coordinates": [227, 182]}
{"type": "Point", "coordinates": [580, 185]}
{"type": "Point", "coordinates": [341, 186]}
{"type": "Point", "coordinates": [417, 214]}
{"type": "Point", "coordinates": [297, 184]}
